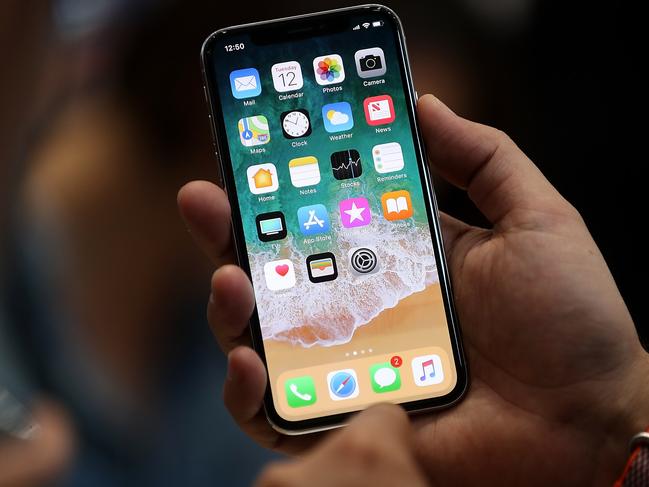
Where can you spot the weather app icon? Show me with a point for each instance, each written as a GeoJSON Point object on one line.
{"type": "Point", "coordinates": [337, 117]}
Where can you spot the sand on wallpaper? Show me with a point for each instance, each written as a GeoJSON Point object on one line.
{"type": "Point", "coordinates": [417, 320]}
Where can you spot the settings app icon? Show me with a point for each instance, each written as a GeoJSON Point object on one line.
{"type": "Point", "coordinates": [363, 261]}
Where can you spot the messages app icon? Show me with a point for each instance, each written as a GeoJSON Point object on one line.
{"type": "Point", "coordinates": [245, 83]}
{"type": "Point", "coordinates": [385, 378]}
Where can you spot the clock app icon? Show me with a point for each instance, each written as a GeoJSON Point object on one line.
{"type": "Point", "coordinates": [296, 123]}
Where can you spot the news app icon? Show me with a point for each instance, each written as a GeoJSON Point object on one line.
{"type": "Point", "coordinates": [379, 110]}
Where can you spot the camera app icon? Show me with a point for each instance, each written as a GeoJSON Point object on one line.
{"type": "Point", "coordinates": [370, 63]}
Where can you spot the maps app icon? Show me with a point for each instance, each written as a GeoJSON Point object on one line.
{"type": "Point", "coordinates": [254, 130]}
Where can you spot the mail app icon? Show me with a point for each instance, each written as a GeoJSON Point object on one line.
{"type": "Point", "coordinates": [245, 83]}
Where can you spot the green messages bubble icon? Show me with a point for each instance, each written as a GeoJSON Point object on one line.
{"type": "Point", "coordinates": [385, 378]}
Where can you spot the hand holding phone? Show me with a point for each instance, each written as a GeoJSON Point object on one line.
{"type": "Point", "coordinates": [559, 374]}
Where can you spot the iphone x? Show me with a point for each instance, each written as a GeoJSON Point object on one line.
{"type": "Point", "coordinates": [334, 216]}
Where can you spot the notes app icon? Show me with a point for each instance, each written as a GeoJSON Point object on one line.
{"type": "Point", "coordinates": [427, 370]}
{"type": "Point", "coordinates": [304, 171]}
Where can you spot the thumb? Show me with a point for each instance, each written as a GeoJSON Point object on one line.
{"type": "Point", "coordinates": [42, 458]}
{"type": "Point", "coordinates": [500, 179]}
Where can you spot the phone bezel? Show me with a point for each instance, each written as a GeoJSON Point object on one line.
{"type": "Point", "coordinates": [301, 25]}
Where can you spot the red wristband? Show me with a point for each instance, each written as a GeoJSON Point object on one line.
{"type": "Point", "coordinates": [636, 471]}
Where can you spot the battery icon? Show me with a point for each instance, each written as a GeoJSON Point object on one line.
{"type": "Point", "coordinates": [377, 23]}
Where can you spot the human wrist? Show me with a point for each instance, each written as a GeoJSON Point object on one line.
{"type": "Point", "coordinates": [628, 415]}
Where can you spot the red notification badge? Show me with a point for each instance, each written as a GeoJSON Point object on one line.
{"type": "Point", "coordinates": [396, 361]}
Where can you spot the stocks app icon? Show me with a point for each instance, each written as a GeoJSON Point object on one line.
{"type": "Point", "coordinates": [346, 164]}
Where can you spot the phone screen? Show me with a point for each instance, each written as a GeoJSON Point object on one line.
{"type": "Point", "coordinates": [333, 215]}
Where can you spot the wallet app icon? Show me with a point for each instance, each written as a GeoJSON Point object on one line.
{"type": "Point", "coordinates": [245, 83]}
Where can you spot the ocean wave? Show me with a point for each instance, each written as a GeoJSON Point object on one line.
{"type": "Point", "coordinates": [329, 313]}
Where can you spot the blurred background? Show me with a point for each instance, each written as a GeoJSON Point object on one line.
{"type": "Point", "coordinates": [102, 119]}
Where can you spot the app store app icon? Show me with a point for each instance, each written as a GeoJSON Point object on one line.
{"type": "Point", "coordinates": [313, 219]}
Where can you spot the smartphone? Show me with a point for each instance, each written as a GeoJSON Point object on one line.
{"type": "Point", "coordinates": [334, 216]}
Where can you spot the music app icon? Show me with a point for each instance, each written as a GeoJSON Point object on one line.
{"type": "Point", "coordinates": [427, 370]}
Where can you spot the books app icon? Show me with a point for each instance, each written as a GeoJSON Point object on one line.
{"type": "Point", "coordinates": [397, 205]}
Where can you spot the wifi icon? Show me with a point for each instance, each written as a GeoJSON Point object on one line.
{"type": "Point", "coordinates": [366, 24]}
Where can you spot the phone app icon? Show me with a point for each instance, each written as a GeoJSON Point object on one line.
{"type": "Point", "coordinates": [304, 171]}
{"type": "Point", "coordinates": [295, 123]}
{"type": "Point", "coordinates": [363, 261]}
{"type": "Point", "coordinates": [287, 76]}
{"type": "Point", "coordinates": [300, 391]}
{"type": "Point", "coordinates": [343, 384]}
{"type": "Point", "coordinates": [329, 69]}
{"type": "Point", "coordinates": [313, 219]}
{"type": "Point", "coordinates": [388, 157]}
{"type": "Point", "coordinates": [262, 178]}
{"type": "Point", "coordinates": [322, 267]}
{"type": "Point", "coordinates": [379, 110]}
{"type": "Point", "coordinates": [254, 130]}
{"type": "Point", "coordinates": [245, 83]}
{"type": "Point", "coordinates": [280, 274]}
{"type": "Point", "coordinates": [427, 370]}
{"type": "Point", "coordinates": [271, 226]}
{"type": "Point", "coordinates": [397, 205]}
{"type": "Point", "coordinates": [337, 117]}
{"type": "Point", "coordinates": [355, 212]}
{"type": "Point", "coordinates": [385, 378]}
{"type": "Point", "coordinates": [370, 63]}
{"type": "Point", "coordinates": [346, 164]}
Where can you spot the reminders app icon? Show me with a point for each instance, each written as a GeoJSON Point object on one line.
{"type": "Point", "coordinates": [245, 83]}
